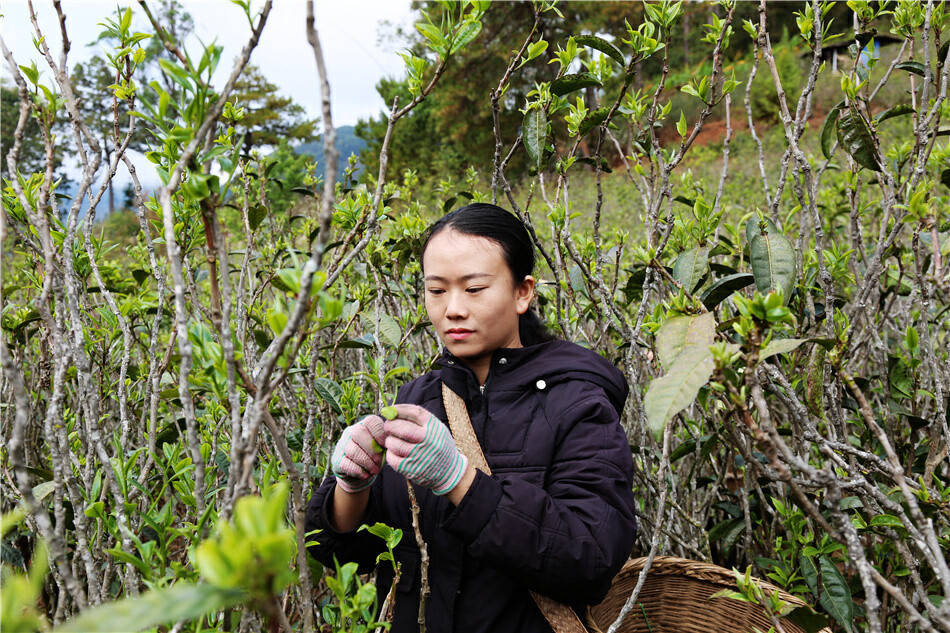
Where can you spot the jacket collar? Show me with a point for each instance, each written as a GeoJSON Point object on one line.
{"type": "Point", "coordinates": [536, 367]}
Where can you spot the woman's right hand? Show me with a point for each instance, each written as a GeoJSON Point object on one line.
{"type": "Point", "coordinates": [358, 455]}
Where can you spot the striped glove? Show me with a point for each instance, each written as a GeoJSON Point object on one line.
{"type": "Point", "coordinates": [421, 448]}
{"type": "Point", "coordinates": [356, 460]}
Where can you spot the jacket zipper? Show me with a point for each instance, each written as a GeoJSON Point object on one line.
{"type": "Point", "coordinates": [481, 388]}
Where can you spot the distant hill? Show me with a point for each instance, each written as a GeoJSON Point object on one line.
{"type": "Point", "coordinates": [346, 143]}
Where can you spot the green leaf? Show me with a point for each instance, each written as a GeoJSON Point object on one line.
{"type": "Point", "coordinates": [32, 73]}
{"type": "Point", "coordinates": [690, 90]}
{"type": "Point", "coordinates": [534, 50]}
{"type": "Point", "coordinates": [592, 120]}
{"type": "Point", "coordinates": [828, 128]}
{"type": "Point", "coordinates": [682, 332]}
{"type": "Point", "coordinates": [681, 125]}
{"type": "Point", "coordinates": [855, 137]}
{"type": "Point", "coordinates": [155, 608]}
{"type": "Point", "coordinates": [126, 21]}
{"type": "Point", "coordinates": [572, 82]}
{"type": "Point", "coordinates": [330, 391]}
{"type": "Point", "coordinates": [912, 67]}
{"type": "Point", "coordinates": [682, 450]}
{"type": "Point", "coordinates": [96, 509]}
{"type": "Point", "coordinates": [468, 31]}
{"type": "Point", "coordinates": [890, 113]}
{"type": "Point", "coordinates": [43, 490]}
{"type": "Point", "coordinates": [135, 561]}
{"type": "Point", "coordinates": [886, 520]}
{"type": "Point", "coordinates": [287, 280]}
{"type": "Point", "coordinates": [670, 394]}
{"type": "Point", "coordinates": [389, 413]}
{"type": "Point", "coordinates": [362, 342]}
{"type": "Point", "coordinates": [722, 288]}
{"type": "Point", "coordinates": [780, 346]}
{"type": "Point", "coordinates": [177, 73]}
{"type": "Point", "coordinates": [809, 572]}
{"type": "Point", "coordinates": [836, 595]}
{"type": "Point", "coordinates": [690, 267]}
{"type": "Point", "coordinates": [256, 215]}
{"type": "Point", "coordinates": [535, 134]}
{"type": "Point", "coordinates": [807, 619]}
{"type": "Point", "coordinates": [389, 330]}
{"type": "Point", "coordinates": [727, 531]}
{"type": "Point", "coordinates": [602, 45]}
{"type": "Point", "coordinates": [773, 263]}
{"type": "Point", "coordinates": [731, 594]}
{"type": "Point", "coordinates": [434, 36]}
{"type": "Point", "coordinates": [589, 160]}
{"type": "Point", "coordinates": [391, 536]}
{"type": "Point", "coordinates": [30, 317]}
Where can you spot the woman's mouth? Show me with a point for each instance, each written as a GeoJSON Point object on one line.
{"type": "Point", "coordinates": [458, 334]}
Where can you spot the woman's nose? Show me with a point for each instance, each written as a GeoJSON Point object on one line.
{"type": "Point", "coordinates": [455, 307]}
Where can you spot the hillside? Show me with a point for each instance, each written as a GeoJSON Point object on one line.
{"type": "Point", "coordinates": [346, 143]}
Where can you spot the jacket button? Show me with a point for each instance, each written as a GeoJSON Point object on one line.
{"type": "Point", "coordinates": [540, 384]}
{"type": "Point", "coordinates": [502, 361]}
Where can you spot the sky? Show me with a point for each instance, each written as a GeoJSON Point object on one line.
{"type": "Point", "coordinates": [356, 36]}
{"type": "Point", "coordinates": [349, 32]}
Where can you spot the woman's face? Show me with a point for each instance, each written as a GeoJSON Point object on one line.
{"type": "Point", "coordinates": [471, 297]}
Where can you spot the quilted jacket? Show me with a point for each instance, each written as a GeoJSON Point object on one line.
{"type": "Point", "coordinates": [556, 515]}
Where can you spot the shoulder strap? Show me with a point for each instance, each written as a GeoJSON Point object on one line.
{"type": "Point", "coordinates": [461, 426]}
{"type": "Point", "coordinates": [561, 617]}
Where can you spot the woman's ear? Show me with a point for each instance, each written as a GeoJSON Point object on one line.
{"type": "Point", "coordinates": [524, 293]}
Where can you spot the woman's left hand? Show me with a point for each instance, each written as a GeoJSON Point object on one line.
{"type": "Point", "coordinates": [421, 448]}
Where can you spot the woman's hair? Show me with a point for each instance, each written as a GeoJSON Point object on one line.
{"type": "Point", "coordinates": [505, 229]}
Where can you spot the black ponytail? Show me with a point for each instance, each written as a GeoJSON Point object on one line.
{"type": "Point", "coordinates": [508, 231]}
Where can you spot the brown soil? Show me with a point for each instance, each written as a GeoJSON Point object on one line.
{"type": "Point", "coordinates": [714, 131]}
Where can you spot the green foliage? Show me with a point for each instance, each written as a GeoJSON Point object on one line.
{"type": "Point", "coordinates": [391, 536]}
{"type": "Point", "coordinates": [255, 551]}
{"type": "Point", "coordinates": [158, 402]}
{"type": "Point", "coordinates": [21, 592]}
{"type": "Point", "coordinates": [673, 392]}
{"type": "Point", "coordinates": [32, 156]}
{"type": "Point", "coordinates": [181, 602]}
{"type": "Point", "coordinates": [773, 261]}
{"type": "Point", "coordinates": [355, 608]}
{"type": "Point", "coordinates": [763, 96]}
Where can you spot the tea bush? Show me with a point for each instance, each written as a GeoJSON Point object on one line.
{"type": "Point", "coordinates": [777, 301]}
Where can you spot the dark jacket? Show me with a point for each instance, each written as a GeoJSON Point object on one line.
{"type": "Point", "coordinates": [555, 516]}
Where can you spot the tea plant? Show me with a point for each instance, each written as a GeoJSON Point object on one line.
{"type": "Point", "coordinates": [776, 299]}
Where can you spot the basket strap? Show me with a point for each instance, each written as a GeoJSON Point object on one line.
{"type": "Point", "coordinates": [561, 617]}
{"type": "Point", "coordinates": [461, 426]}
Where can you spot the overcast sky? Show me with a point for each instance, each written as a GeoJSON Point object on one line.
{"type": "Point", "coordinates": [349, 31]}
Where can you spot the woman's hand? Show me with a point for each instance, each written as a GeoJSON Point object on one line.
{"type": "Point", "coordinates": [421, 448]}
{"type": "Point", "coordinates": [358, 457]}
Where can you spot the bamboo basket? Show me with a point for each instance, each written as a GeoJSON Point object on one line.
{"type": "Point", "coordinates": [675, 599]}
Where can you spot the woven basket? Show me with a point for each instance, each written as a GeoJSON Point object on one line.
{"type": "Point", "coordinates": [675, 599]}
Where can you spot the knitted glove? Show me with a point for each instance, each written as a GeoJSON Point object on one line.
{"type": "Point", "coordinates": [421, 448]}
{"type": "Point", "coordinates": [356, 461]}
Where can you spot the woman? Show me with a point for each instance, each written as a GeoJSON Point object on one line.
{"type": "Point", "coordinates": [556, 515]}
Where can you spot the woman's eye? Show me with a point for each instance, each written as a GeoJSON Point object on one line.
{"type": "Point", "coordinates": [474, 290]}
{"type": "Point", "coordinates": [435, 291]}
